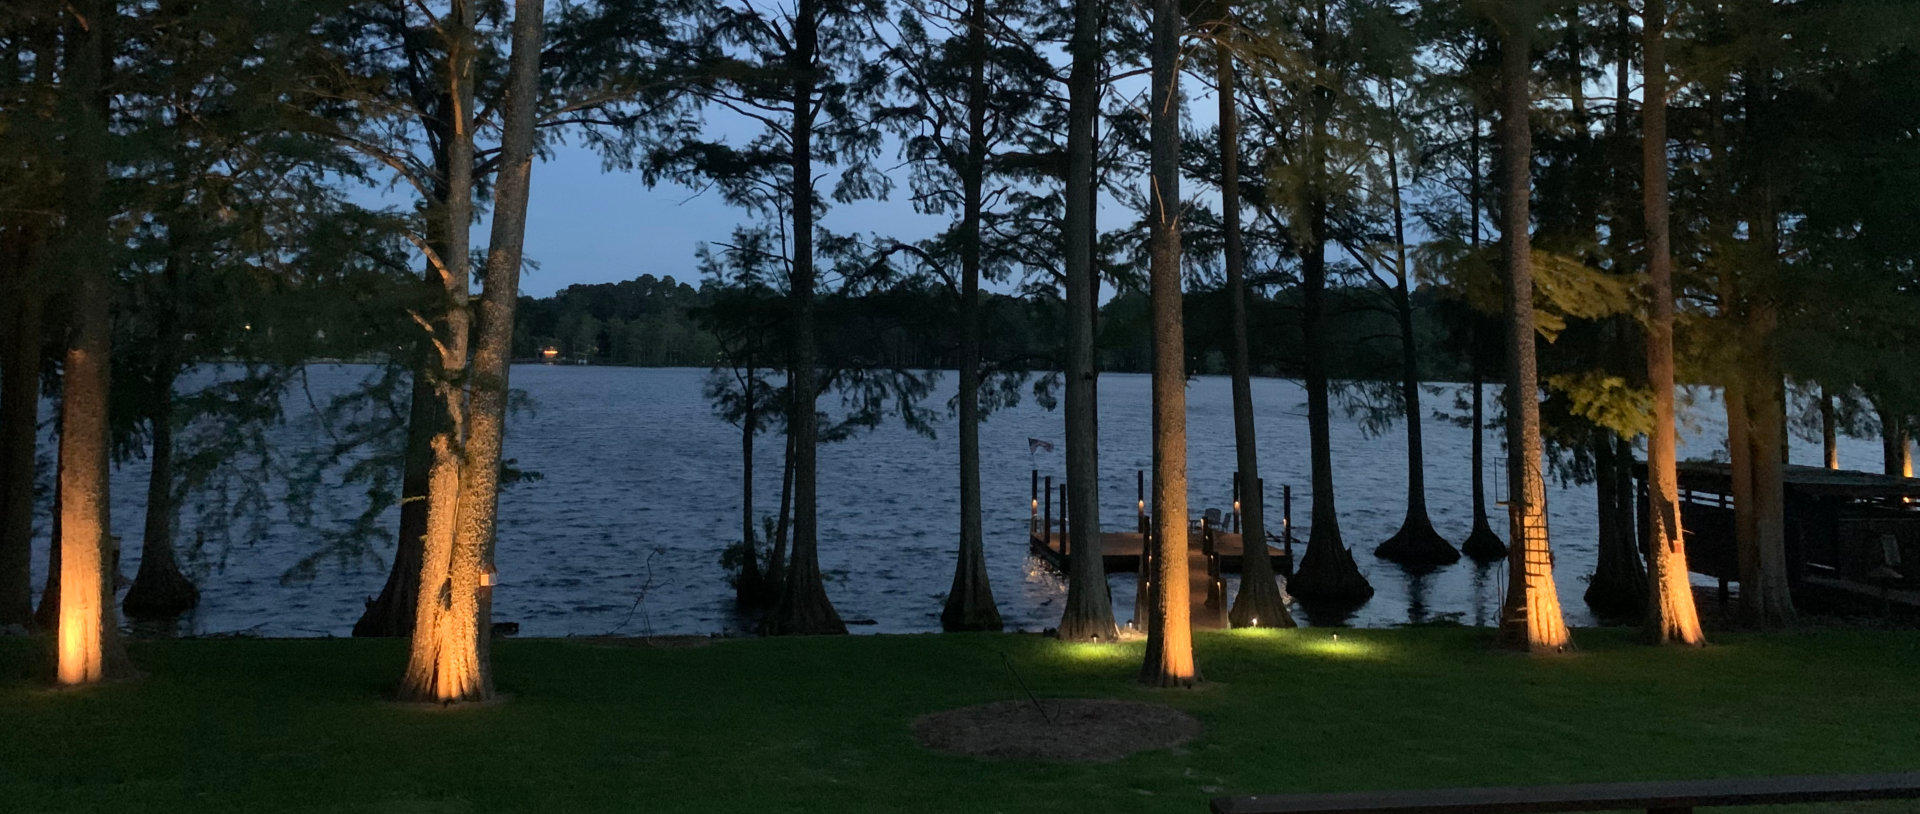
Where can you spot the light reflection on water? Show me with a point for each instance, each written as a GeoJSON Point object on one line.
{"type": "Point", "coordinates": [641, 490]}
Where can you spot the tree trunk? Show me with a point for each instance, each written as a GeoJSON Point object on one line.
{"type": "Point", "coordinates": [1169, 653]}
{"type": "Point", "coordinates": [1088, 615]}
{"type": "Point", "coordinates": [1671, 617]}
{"type": "Point", "coordinates": [19, 422]}
{"type": "Point", "coordinates": [803, 608]}
{"type": "Point", "coordinates": [444, 662]}
{"type": "Point", "coordinates": [1895, 459]}
{"type": "Point", "coordinates": [24, 244]}
{"type": "Point", "coordinates": [1327, 572]}
{"type": "Point", "coordinates": [89, 648]}
{"type": "Point", "coordinates": [1765, 599]}
{"type": "Point", "coordinates": [46, 615]}
{"type": "Point", "coordinates": [1829, 432]}
{"type": "Point", "coordinates": [1531, 618]}
{"type": "Point", "coordinates": [1416, 545]}
{"type": "Point", "coordinates": [159, 590]}
{"type": "Point", "coordinates": [749, 590]}
{"type": "Point", "coordinates": [1618, 588]}
{"type": "Point", "coordinates": [392, 612]}
{"type": "Point", "coordinates": [1482, 544]}
{"type": "Point", "coordinates": [970, 603]}
{"type": "Point", "coordinates": [1259, 596]}
{"type": "Point", "coordinates": [777, 561]}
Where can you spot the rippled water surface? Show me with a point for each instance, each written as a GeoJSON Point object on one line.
{"type": "Point", "coordinates": [640, 492]}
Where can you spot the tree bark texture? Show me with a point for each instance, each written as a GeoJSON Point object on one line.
{"type": "Point", "coordinates": [1259, 602]}
{"type": "Point", "coordinates": [88, 649]}
{"type": "Point", "coordinates": [803, 608]}
{"type": "Point", "coordinates": [1169, 653]}
{"type": "Point", "coordinates": [1088, 615]}
{"type": "Point", "coordinates": [1530, 619]}
{"type": "Point", "coordinates": [1671, 616]}
{"type": "Point", "coordinates": [1327, 572]}
{"type": "Point", "coordinates": [970, 603]}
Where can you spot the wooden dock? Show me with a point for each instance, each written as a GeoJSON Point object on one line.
{"type": "Point", "coordinates": [1205, 590]}
{"type": "Point", "coordinates": [1212, 549]}
{"type": "Point", "coordinates": [1120, 551]}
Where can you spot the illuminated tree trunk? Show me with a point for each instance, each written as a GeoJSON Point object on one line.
{"type": "Point", "coordinates": [970, 601]}
{"type": "Point", "coordinates": [1671, 616]}
{"type": "Point", "coordinates": [1531, 618]}
{"type": "Point", "coordinates": [392, 612]}
{"type": "Point", "coordinates": [1416, 544]}
{"type": "Point", "coordinates": [1169, 654]}
{"type": "Point", "coordinates": [1088, 615]}
{"type": "Point", "coordinates": [19, 421]}
{"type": "Point", "coordinates": [445, 663]}
{"type": "Point", "coordinates": [1259, 597]}
{"type": "Point", "coordinates": [803, 608]}
{"type": "Point", "coordinates": [1482, 544]}
{"type": "Point", "coordinates": [1327, 571]}
{"type": "Point", "coordinates": [89, 648]}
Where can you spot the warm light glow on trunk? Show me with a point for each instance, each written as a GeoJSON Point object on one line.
{"type": "Point", "coordinates": [80, 657]}
{"type": "Point", "coordinates": [1169, 656]}
{"type": "Point", "coordinates": [1531, 617]}
{"type": "Point", "coordinates": [1673, 617]}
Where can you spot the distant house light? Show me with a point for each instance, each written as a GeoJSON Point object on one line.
{"type": "Point", "coordinates": [550, 352]}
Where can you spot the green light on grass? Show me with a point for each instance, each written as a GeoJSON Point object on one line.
{"type": "Point", "coordinates": [1095, 651]}
{"type": "Point", "coordinates": [1334, 646]}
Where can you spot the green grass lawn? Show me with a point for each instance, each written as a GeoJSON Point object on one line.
{"type": "Point", "coordinates": [822, 724]}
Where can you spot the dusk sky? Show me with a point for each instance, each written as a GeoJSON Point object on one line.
{"type": "Point", "coordinates": [590, 225]}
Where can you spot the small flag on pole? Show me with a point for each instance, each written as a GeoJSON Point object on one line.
{"type": "Point", "coordinates": [1037, 445]}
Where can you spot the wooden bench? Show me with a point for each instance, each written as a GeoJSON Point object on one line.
{"type": "Point", "coordinates": [1656, 797]}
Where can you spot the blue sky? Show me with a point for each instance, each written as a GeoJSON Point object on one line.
{"type": "Point", "coordinates": [589, 225]}
{"type": "Point", "coordinates": [586, 225]}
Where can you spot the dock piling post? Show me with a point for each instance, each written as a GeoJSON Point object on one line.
{"type": "Point", "coordinates": [1065, 550]}
{"type": "Point", "coordinates": [1143, 580]}
{"type": "Point", "coordinates": [1216, 587]}
{"type": "Point", "coordinates": [1286, 523]}
{"type": "Point", "coordinates": [1140, 498]}
{"type": "Point", "coordinates": [1236, 502]}
{"type": "Point", "coordinates": [1033, 523]}
{"type": "Point", "coordinates": [1046, 517]}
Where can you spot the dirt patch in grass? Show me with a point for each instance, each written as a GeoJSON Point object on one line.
{"type": "Point", "coordinates": [1063, 729]}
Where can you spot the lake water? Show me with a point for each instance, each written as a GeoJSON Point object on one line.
{"type": "Point", "coordinates": [640, 493]}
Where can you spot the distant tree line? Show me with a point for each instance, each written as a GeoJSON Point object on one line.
{"type": "Point", "coordinates": [660, 322]}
